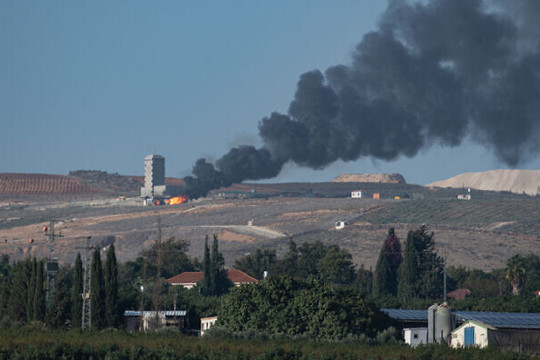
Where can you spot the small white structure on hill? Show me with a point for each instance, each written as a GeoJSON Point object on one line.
{"type": "Point", "coordinates": [356, 194]}
{"type": "Point", "coordinates": [340, 224]}
{"type": "Point", "coordinates": [466, 196]}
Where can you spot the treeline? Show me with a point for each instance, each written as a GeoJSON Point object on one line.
{"type": "Point", "coordinates": [310, 281]}
{"type": "Point", "coordinates": [23, 293]}
{"type": "Point", "coordinates": [408, 275]}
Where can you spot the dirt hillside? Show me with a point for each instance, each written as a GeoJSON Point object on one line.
{"type": "Point", "coordinates": [371, 178]}
{"type": "Point", "coordinates": [43, 184]}
{"type": "Point", "coordinates": [516, 181]}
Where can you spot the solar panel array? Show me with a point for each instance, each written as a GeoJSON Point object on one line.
{"type": "Point", "coordinates": [494, 319]}
{"type": "Point", "coordinates": [502, 320]}
{"type": "Point", "coordinates": [404, 314]}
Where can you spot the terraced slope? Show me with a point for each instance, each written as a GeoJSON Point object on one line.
{"type": "Point", "coordinates": [43, 184]}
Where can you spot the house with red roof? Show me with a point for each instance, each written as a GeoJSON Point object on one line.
{"type": "Point", "coordinates": [189, 279]}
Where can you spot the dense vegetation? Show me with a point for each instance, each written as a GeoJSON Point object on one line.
{"type": "Point", "coordinates": [32, 343]}
{"type": "Point", "coordinates": [314, 304]}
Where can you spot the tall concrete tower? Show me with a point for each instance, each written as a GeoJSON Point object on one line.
{"type": "Point", "coordinates": [154, 176]}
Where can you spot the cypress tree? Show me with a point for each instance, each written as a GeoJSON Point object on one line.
{"type": "Point", "coordinates": [39, 293]}
{"type": "Point", "coordinates": [215, 281]}
{"type": "Point", "coordinates": [206, 269]}
{"type": "Point", "coordinates": [5, 284]}
{"type": "Point", "coordinates": [19, 290]}
{"type": "Point", "coordinates": [31, 292]}
{"type": "Point", "coordinates": [97, 292]}
{"type": "Point", "coordinates": [386, 270]}
{"type": "Point", "coordinates": [111, 288]}
{"type": "Point", "coordinates": [219, 280]}
{"type": "Point", "coordinates": [76, 293]}
{"type": "Point", "coordinates": [420, 274]}
{"type": "Point", "coordinates": [58, 312]}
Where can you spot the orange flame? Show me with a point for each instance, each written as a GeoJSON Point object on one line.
{"type": "Point", "coordinates": [177, 200]}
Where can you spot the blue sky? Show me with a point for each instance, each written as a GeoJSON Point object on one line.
{"type": "Point", "coordinates": [99, 85]}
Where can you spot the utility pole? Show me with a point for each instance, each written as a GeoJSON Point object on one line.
{"type": "Point", "coordinates": [52, 262]}
{"type": "Point", "coordinates": [87, 290]}
{"type": "Point", "coordinates": [444, 278]}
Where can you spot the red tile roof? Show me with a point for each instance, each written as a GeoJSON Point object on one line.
{"type": "Point", "coordinates": [188, 277]}
{"type": "Point", "coordinates": [459, 294]}
{"type": "Point", "coordinates": [192, 277]}
{"type": "Point", "coordinates": [237, 276]}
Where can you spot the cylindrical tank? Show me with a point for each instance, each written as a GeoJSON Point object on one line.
{"type": "Point", "coordinates": [440, 323]}
{"type": "Point", "coordinates": [443, 323]}
{"type": "Point", "coordinates": [431, 323]}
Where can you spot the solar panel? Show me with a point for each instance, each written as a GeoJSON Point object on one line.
{"type": "Point", "coordinates": [502, 320]}
{"type": "Point", "coordinates": [405, 314]}
{"type": "Point", "coordinates": [494, 319]}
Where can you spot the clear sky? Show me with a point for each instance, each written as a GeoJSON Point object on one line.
{"type": "Point", "coordinates": [98, 85]}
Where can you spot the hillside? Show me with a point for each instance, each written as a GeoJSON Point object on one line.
{"type": "Point", "coordinates": [371, 178]}
{"type": "Point", "coordinates": [43, 185]}
{"type": "Point", "coordinates": [481, 233]}
{"type": "Point", "coordinates": [516, 181]}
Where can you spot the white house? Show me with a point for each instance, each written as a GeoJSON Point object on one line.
{"type": "Point", "coordinates": [506, 333]}
{"type": "Point", "coordinates": [356, 194]}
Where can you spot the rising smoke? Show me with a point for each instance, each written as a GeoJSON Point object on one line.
{"type": "Point", "coordinates": [434, 72]}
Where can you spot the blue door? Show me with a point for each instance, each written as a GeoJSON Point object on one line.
{"type": "Point", "coordinates": [469, 336]}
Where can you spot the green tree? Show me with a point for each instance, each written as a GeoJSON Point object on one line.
{"type": "Point", "coordinates": [5, 284]}
{"type": "Point", "coordinates": [386, 271]}
{"type": "Point", "coordinates": [256, 263]}
{"type": "Point", "coordinates": [76, 293]}
{"type": "Point", "coordinates": [97, 292]}
{"type": "Point", "coordinates": [58, 313]}
{"type": "Point", "coordinates": [31, 292]}
{"type": "Point", "coordinates": [39, 293]}
{"type": "Point", "coordinates": [111, 288]}
{"type": "Point", "coordinates": [174, 258]}
{"type": "Point", "coordinates": [421, 272]}
{"type": "Point", "coordinates": [310, 255]}
{"type": "Point", "coordinates": [516, 272]}
{"type": "Point", "coordinates": [336, 266]}
{"type": "Point", "coordinates": [206, 267]}
{"type": "Point", "coordinates": [364, 280]}
{"type": "Point", "coordinates": [289, 264]}
{"type": "Point", "coordinates": [215, 280]}
{"type": "Point", "coordinates": [294, 307]}
{"type": "Point", "coordinates": [20, 276]}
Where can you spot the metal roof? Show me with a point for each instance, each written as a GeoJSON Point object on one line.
{"type": "Point", "coordinates": [149, 313]}
{"type": "Point", "coordinates": [502, 320]}
{"type": "Point", "coordinates": [494, 319]}
{"type": "Point", "coordinates": [407, 315]}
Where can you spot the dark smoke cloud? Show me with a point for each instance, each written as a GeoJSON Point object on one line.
{"type": "Point", "coordinates": [433, 72]}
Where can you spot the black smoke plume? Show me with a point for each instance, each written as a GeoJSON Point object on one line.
{"type": "Point", "coordinates": [434, 72]}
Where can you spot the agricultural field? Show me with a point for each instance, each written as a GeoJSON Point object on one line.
{"type": "Point", "coordinates": [32, 343]}
{"type": "Point", "coordinates": [43, 184]}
